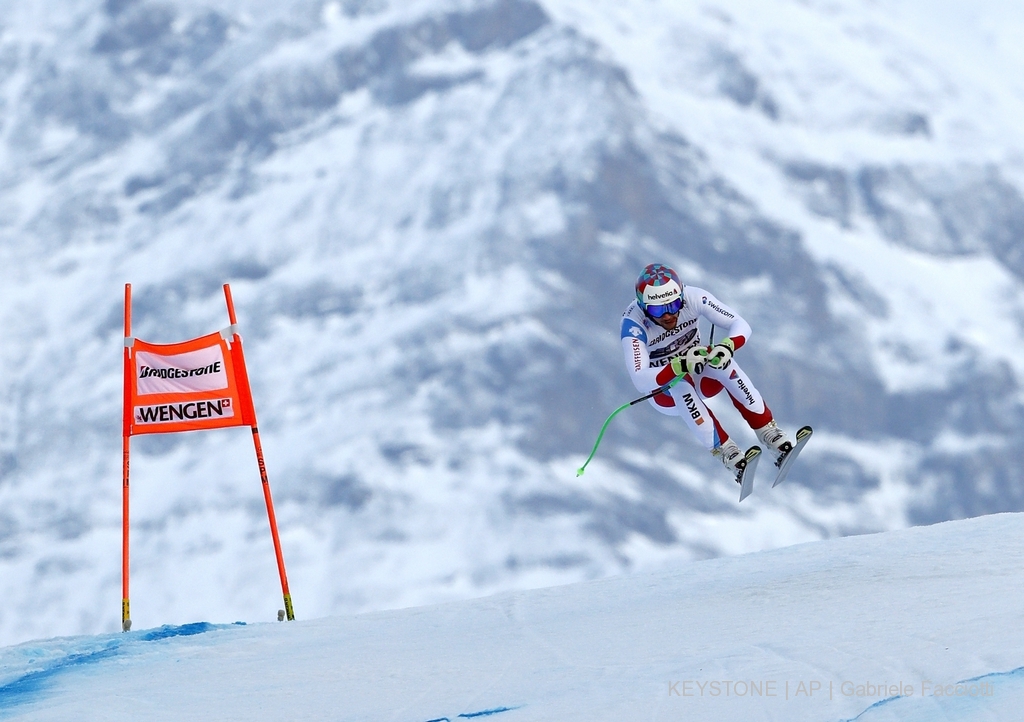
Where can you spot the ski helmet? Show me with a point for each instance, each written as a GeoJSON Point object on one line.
{"type": "Point", "coordinates": [659, 290]}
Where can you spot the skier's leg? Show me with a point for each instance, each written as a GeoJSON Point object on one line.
{"type": "Point", "coordinates": [749, 402]}
{"type": "Point", "coordinates": [683, 400]}
{"type": "Point", "coordinates": [709, 388]}
{"type": "Point", "coordinates": [745, 396]}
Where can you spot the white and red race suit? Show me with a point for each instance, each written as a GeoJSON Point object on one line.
{"type": "Point", "coordinates": [649, 348]}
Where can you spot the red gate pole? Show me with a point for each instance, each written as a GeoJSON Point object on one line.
{"type": "Point", "coordinates": [250, 413]}
{"type": "Point", "coordinates": [288, 610]}
{"type": "Point", "coordinates": [126, 620]}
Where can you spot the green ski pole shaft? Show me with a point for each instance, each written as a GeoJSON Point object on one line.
{"type": "Point", "coordinates": [659, 390]}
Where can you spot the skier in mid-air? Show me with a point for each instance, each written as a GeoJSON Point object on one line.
{"type": "Point", "coordinates": [661, 341]}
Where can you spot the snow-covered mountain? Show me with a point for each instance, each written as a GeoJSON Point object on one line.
{"type": "Point", "coordinates": [918, 624]}
{"type": "Point", "coordinates": [431, 214]}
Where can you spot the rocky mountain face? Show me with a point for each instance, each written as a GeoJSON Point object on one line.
{"type": "Point", "coordinates": [432, 214]}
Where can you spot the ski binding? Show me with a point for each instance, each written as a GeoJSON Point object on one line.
{"type": "Point", "coordinates": [786, 459]}
{"type": "Point", "coordinates": [745, 469]}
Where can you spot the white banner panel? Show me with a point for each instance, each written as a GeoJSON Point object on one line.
{"type": "Point", "coordinates": [184, 411]}
{"type": "Point", "coordinates": [201, 370]}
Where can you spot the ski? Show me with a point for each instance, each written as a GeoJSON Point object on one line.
{"type": "Point", "coordinates": [786, 460]}
{"type": "Point", "coordinates": [745, 469]}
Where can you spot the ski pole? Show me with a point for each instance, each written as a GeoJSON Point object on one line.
{"type": "Point", "coordinates": [659, 390]}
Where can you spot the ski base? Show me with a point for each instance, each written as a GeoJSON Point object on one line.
{"type": "Point", "coordinates": [784, 462]}
{"type": "Point", "coordinates": [745, 471]}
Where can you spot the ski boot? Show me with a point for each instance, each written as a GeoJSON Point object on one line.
{"type": "Point", "coordinates": [742, 464]}
{"type": "Point", "coordinates": [776, 440]}
{"type": "Point", "coordinates": [729, 454]}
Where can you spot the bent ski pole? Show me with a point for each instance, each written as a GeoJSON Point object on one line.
{"type": "Point", "coordinates": [659, 390]}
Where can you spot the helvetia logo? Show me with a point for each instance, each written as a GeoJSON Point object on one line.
{"type": "Point", "coordinates": [660, 294]}
{"type": "Point", "coordinates": [746, 392]}
{"type": "Point", "coordinates": [184, 411]}
{"type": "Point", "coordinates": [663, 295]}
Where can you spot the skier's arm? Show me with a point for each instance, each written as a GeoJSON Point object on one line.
{"type": "Point", "coordinates": [736, 329]}
{"type": "Point", "coordinates": [638, 360]}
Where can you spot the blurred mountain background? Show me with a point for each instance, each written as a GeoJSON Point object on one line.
{"type": "Point", "coordinates": [431, 213]}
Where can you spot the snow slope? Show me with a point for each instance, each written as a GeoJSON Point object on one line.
{"type": "Point", "coordinates": [831, 169]}
{"type": "Point", "coordinates": [816, 629]}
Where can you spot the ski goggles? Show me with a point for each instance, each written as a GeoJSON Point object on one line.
{"type": "Point", "coordinates": [659, 310]}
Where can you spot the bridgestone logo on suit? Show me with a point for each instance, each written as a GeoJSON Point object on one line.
{"type": "Point", "coordinates": [184, 411]}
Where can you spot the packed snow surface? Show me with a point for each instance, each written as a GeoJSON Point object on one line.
{"type": "Point", "coordinates": [920, 624]}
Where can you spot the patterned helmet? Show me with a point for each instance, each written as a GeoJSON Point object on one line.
{"type": "Point", "coordinates": [659, 290]}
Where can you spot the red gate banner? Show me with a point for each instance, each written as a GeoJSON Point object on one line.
{"type": "Point", "coordinates": [186, 386]}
